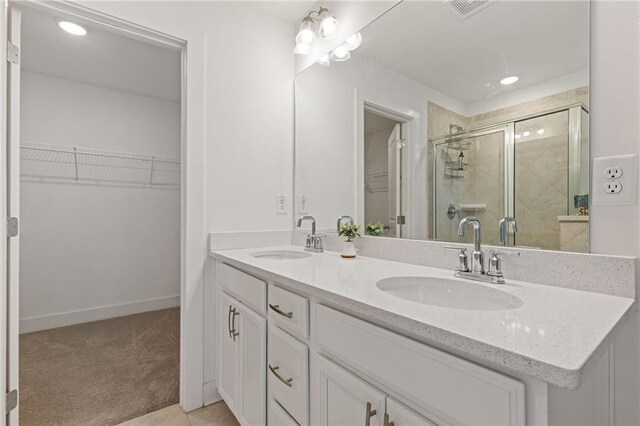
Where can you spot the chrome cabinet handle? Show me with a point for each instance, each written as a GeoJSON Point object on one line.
{"type": "Point", "coordinates": [276, 308]}
{"type": "Point", "coordinates": [229, 321]}
{"type": "Point", "coordinates": [370, 413]}
{"type": "Point", "coordinates": [274, 370]}
{"type": "Point", "coordinates": [234, 332]}
{"type": "Point", "coordinates": [386, 421]}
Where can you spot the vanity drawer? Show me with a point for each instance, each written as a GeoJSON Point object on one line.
{"type": "Point", "coordinates": [288, 371]}
{"type": "Point", "coordinates": [248, 289]}
{"type": "Point", "coordinates": [289, 310]}
{"type": "Point", "coordinates": [434, 380]}
{"type": "Point", "coordinates": [278, 416]}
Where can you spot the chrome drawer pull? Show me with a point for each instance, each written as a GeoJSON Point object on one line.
{"type": "Point", "coordinates": [282, 379]}
{"type": "Point", "coordinates": [386, 421]}
{"type": "Point", "coordinates": [370, 413]}
{"type": "Point", "coordinates": [232, 323]}
{"type": "Point", "coordinates": [277, 309]}
{"type": "Point", "coordinates": [229, 321]}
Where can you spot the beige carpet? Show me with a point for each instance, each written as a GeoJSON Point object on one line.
{"type": "Point", "coordinates": [100, 373]}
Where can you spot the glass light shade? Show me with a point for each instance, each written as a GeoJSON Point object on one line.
{"type": "Point", "coordinates": [324, 60]}
{"type": "Point", "coordinates": [302, 49]}
{"type": "Point", "coordinates": [340, 53]}
{"type": "Point", "coordinates": [306, 34]}
{"type": "Point", "coordinates": [353, 42]}
{"type": "Point", "coordinates": [328, 23]}
{"type": "Point", "coordinates": [72, 28]}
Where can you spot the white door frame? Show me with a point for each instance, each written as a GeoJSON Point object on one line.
{"type": "Point", "coordinates": [410, 120]}
{"type": "Point", "coordinates": [192, 231]}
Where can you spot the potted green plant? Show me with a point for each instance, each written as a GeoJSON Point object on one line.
{"type": "Point", "coordinates": [376, 229]}
{"type": "Point", "coordinates": [351, 231]}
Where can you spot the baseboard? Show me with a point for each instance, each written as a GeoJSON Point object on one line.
{"type": "Point", "coordinates": [45, 322]}
{"type": "Point", "coordinates": [210, 393]}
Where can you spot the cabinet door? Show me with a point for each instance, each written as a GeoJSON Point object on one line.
{"type": "Point", "coordinates": [229, 351]}
{"type": "Point", "coordinates": [253, 366]}
{"type": "Point", "coordinates": [344, 399]}
{"type": "Point", "coordinates": [399, 415]}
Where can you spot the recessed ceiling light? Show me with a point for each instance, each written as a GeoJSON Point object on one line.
{"type": "Point", "coordinates": [525, 134]}
{"type": "Point", "coordinates": [518, 136]}
{"type": "Point", "coordinates": [541, 132]}
{"type": "Point", "coordinates": [509, 80]}
{"type": "Point", "coordinates": [72, 28]}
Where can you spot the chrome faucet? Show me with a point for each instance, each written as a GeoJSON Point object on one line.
{"type": "Point", "coordinates": [314, 242]}
{"type": "Point", "coordinates": [506, 224]}
{"type": "Point", "coordinates": [477, 258]}
{"type": "Point", "coordinates": [477, 272]}
{"type": "Point", "coordinates": [340, 219]}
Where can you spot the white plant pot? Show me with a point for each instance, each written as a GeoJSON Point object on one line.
{"type": "Point", "coordinates": [348, 250]}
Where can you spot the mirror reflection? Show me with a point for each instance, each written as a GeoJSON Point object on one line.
{"type": "Point", "coordinates": [443, 114]}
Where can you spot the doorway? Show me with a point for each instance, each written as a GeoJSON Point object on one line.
{"type": "Point", "coordinates": [385, 162]}
{"type": "Point", "coordinates": [100, 186]}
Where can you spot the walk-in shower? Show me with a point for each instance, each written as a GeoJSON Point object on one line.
{"type": "Point", "coordinates": [529, 168]}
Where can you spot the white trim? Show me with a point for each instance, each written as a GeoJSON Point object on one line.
{"type": "Point", "coordinates": [3, 207]}
{"type": "Point", "coordinates": [210, 392]}
{"type": "Point", "coordinates": [63, 319]}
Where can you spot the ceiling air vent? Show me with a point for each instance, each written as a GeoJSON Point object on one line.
{"type": "Point", "coordinates": [466, 8]}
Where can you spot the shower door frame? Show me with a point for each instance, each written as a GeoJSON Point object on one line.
{"type": "Point", "coordinates": [508, 164]}
{"type": "Point", "coordinates": [574, 131]}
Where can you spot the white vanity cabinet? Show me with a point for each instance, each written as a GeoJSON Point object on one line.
{"type": "Point", "coordinates": [243, 351]}
{"type": "Point", "coordinates": [345, 399]}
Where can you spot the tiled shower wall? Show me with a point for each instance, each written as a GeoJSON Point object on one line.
{"type": "Point", "coordinates": [541, 171]}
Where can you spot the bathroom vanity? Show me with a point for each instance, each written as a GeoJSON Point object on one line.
{"type": "Point", "coordinates": [310, 338]}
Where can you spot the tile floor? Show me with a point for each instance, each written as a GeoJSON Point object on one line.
{"type": "Point", "coordinates": [217, 414]}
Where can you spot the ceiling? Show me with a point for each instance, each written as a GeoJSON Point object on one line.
{"type": "Point", "coordinates": [466, 58]}
{"type": "Point", "coordinates": [101, 58]}
{"type": "Point", "coordinates": [290, 11]}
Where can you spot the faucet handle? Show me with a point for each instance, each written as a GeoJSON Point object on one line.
{"type": "Point", "coordinates": [463, 259]}
{"type": "Point", "coordinates": [317, 243]}
{"type": "Point", "coordinates": [461, 248]}
{"type": "Point", "coordinates": [495, 253]}
{"type": "Point", "coordinates": [495, 269]}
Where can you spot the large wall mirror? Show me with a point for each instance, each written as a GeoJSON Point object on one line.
{"type": "Point", "coordinates": [443, 113]}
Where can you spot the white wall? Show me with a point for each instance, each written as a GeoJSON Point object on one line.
{"type": "Point", "coordinates": [615, 130]}
{"type": "Point", "coordinates": [91, 252]}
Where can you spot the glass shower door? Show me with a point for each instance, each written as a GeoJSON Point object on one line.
{"type": "Point", "coordinates": [470, 180]}
{"type": "Point", "coordinates": [541, 179]}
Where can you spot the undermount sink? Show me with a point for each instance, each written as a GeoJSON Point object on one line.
{"type": "Point", "coordinates": [281, 254]}
{"type": "Point", "coordinates": [449, 293]}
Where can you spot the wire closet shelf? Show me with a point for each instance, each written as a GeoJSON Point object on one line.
{"type": "Point", "coordinates": [44, 162]}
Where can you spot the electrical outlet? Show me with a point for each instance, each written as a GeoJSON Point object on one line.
{"type": "Point", "coordinates": [615, 180]}
{"type": "Point", "coordinates": [613, 187]}
{"type": "Point", "coordinates": [282, 206]}
{"type": "Point", "coordinates": [614, 172]}
{"type": "Point", "coordinates": [303, 204]}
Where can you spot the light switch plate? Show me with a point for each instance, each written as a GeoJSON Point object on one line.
{"type": "Point", "coordinates": [303, 204]}
{"type": "Point", "coordinates": [603, 188]}
{"type": "Point", "coordinates": [282, 204]}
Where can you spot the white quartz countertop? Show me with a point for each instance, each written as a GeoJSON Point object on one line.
{"type": "Point", "coordinates": [555, 336]}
